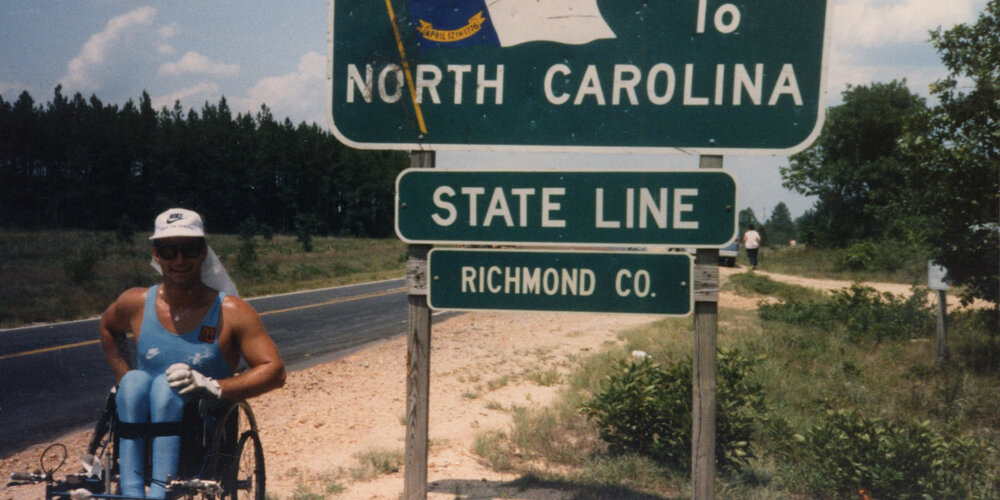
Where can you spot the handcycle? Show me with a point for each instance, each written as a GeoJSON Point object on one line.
{"type": "Point", "coordinates": [221, 456]}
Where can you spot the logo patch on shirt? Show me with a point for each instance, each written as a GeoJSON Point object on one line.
{"type": "Point", "coordinates": [198, 357]}
{"type": "Point", "coordinates": [152, 353]}
{"type": "Point", "coordinates": [207, 334]}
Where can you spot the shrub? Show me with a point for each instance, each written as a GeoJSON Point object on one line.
{"type": "Point", "coordinates": [886, 255]}
{"type": "Point", "coordinates": [81, 267]}
{"type": "Point", "coordinates": [125, 230]}
{"type": "Point", "coordinates": [798, 312]}
{"type": "Point", "coordinates": [645, 408]}
{"type": "Point", "coordinates": [376, 462]}
{"type": "Point", "coordinates": [857, 257]}
{"type": "Point", "coordinates": [861, 311]}
{"type": "Point", "coordinates": [848, 452]}
{"type": "Point", "coordinates": [247, 255]}
{"type": "Point", "coordinates": [866, 313]}
{"type": "Point", "coordinates": [306, 225]}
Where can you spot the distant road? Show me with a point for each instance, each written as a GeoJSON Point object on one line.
{"type": "Point", "coordinates": [54, 378]}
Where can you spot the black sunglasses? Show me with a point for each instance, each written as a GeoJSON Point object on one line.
{"type": "Point", "coordinates": [188, 250]}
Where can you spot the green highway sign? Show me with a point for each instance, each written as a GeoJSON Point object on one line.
{"type": "Point", "coordinates": [679, 208]}
{"type": "Point", "coordinates": [611, 282]}
{"type": "Point", "coordinates": [705, 76]}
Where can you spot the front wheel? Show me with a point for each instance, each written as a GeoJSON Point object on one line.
{"type": "Point", "coordinates": [248, 470]}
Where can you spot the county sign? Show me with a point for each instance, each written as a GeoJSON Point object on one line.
{"type": "Point", "coordinates": [524, 280]}
{"type": "Point", "coordinates": [704, 76]}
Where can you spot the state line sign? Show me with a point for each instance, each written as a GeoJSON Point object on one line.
{"type": "Point", "coordinates": [679, 208]}
{"type": "Point", "coordinates": [608, 282]}
{"type": "Point", "coordinates": [705, 76]}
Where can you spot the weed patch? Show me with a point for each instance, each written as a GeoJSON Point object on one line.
{"type": "Point", "coordinates": [376, 462]}
{"type": "Point", "coordinates": [757, 284]}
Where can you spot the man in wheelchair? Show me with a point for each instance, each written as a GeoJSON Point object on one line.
{"type": "Point", "coordinates": [191, 331]}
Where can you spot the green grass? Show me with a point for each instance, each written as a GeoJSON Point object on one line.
{"type": "Point", "coordinates": [376, 462]}
{"type": "Point", "coordinates": [891, 263]}
{"type": "Point", "coordinates": [806, 371]}
{"type": "Point", "coordinates": [758, 285]}
{"type": "Point", "coordinates": [48, 276]}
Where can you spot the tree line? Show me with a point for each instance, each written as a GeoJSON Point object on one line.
{"type": "Point", "coordinates": [888, 166]}
{"type": "Point", "coordinates": [79, 163]}
{"type": "Point", "coordinates": [777, 230]}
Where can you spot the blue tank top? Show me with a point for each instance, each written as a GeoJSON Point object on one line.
{"type": "Point", "coordinates": [158, 348]}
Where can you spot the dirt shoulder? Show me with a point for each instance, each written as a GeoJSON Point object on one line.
{"type": "Point", "coordinates": [482, 362]}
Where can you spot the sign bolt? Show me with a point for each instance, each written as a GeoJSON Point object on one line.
{"type": "Point", "coordinates": [684, 284]}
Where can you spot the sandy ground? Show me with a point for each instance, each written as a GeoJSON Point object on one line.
{"type": "Point", "coordinates": [316, 426]}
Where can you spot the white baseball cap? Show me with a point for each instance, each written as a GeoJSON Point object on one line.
{"type": "Point", "coordinates": [178, 222]}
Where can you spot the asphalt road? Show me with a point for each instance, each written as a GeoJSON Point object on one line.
{"type": "Point", "coordinates": [53, 378]}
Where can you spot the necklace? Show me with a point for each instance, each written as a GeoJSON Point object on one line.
{"type": "Point", "coordinates": [178, 316]}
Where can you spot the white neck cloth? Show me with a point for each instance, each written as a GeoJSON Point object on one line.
{"type": "Point", "coordinates": [213, 273]}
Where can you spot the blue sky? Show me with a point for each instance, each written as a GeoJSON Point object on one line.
{"type": "Point", "coordinates": [275, 53]}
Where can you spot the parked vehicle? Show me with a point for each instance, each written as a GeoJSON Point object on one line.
{"type": "Point", "coordinates": [728, 253]}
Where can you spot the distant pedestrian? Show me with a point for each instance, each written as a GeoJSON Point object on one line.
{"type": "Point", "coordinates": [751, 241]}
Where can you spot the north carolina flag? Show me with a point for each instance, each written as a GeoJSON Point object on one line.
{"type": "Point", "coordinates": [505, 23]}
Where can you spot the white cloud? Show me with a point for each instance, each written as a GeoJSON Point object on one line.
{"type": "Point", "coordinates": [204, 91]}
{"type": "Point", "coordinates": [300, 95]}
{"type": "Point", "coordinates": [883, 40]}
{"type": "Point", "coordinates": [165, 49]}
{"type": "Point", "coordinates": [12, 90]}
{"type": "Point", "coordinates": [86, 70]}
{"type": "Point", "coordinates": [193, 63]}
{"type": "Point", "coordinates": [869, 23]}
{"type": "Point", "coordinates": [166, 32]}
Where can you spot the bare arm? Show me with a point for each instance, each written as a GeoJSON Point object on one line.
{"type": "Point", "coordinates": [267, 372]}
{"type": "Point", "coordinates": [115, 324]}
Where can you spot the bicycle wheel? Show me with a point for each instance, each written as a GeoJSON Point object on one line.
{"type": "Point", "coordinates": [248, 476]}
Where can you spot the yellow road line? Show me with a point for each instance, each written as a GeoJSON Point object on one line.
{"type": "Point", "coordinates": [337, 301]}
{"type": "Point", "coordinates": [50, 349]}
{"type": "Point", "coordinates": [276, 311]}
{"type": "Point", "coordinates": [406, 67]}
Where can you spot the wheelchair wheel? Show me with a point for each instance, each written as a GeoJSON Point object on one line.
{"type": "Point", "coordinates": [248, 470]}
{"type": "Point", "coordinates": [239, 456]}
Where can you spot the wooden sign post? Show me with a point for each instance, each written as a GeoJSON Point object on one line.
{"type": "Point", "coordinates": [418, 359]}
{"type": "Point", "coordinates": [706, 319]}
{"type": "Point", "coordinates": [936, 281]}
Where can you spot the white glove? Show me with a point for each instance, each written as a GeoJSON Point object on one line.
{"type": "Point", "coordinates": [80, 494]}
{"type": "Point", "coordinates": [92, 466]}
{"type": "Point", "coordinates": [182, 377]}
